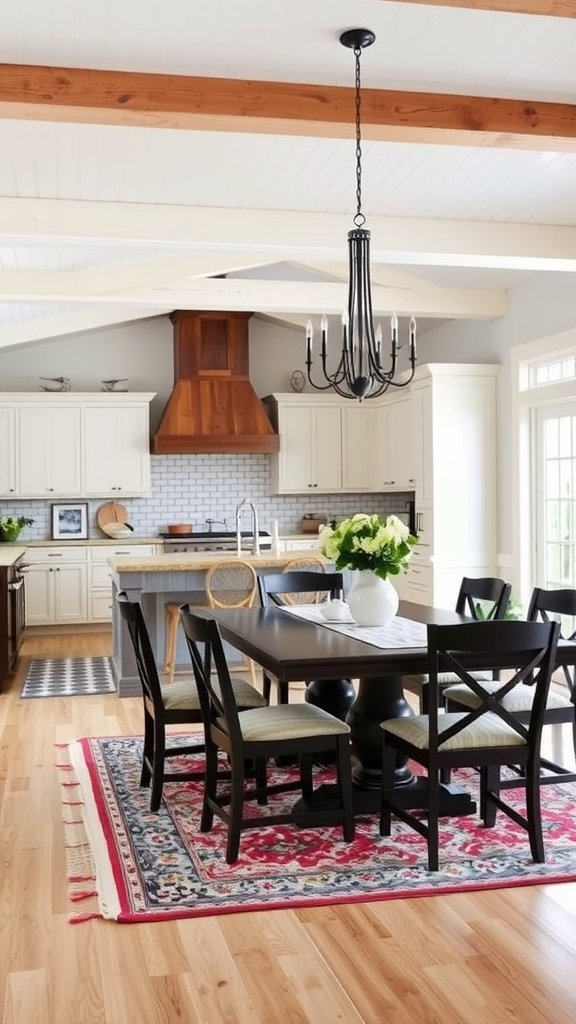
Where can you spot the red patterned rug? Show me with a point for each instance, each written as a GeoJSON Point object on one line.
{"type": "Point", "coordinates": [127, 864]}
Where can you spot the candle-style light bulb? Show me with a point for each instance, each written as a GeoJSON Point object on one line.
{"type": "Point", "coordinates": [309, 337]}
{"type": "Point", "coordinates": [324, 334]}
{"type": "Point", "coordinates": [378, 343]}
{"type": "Point", "coordinates": [412, 330]}
{"type": "Point", "coordinates": [394, 334]}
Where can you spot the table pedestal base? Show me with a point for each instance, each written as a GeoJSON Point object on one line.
{"type": "Point", "coordinates": [377, 700]}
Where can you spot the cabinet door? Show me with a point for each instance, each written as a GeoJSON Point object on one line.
{"type": "Point", "coordinates": [295, 460]}
{"type": "Point", "coordinates": [70, 595]}
{"type": "Point", "coordinates": [395, 446]}
{"type": "Point", "coordinates": [8, 450]}
{"type": "Point", "coordinates": [359, 429]}
{"type": "Point", "coordinates": [116, 450]}
{"type": "Point", "coordinates": [326, 443]}
{"type": "Point", "coordinates": [49, 451]}
{"type": "Point", "coordinates": [401, 458]}
{"type": "Point", "coordinates": [39, 590]}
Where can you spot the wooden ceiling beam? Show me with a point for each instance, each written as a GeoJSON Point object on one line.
{"type": "Point", "coordinates": [80, 95]}
{"type": "Point", "coordinates": [542, 8]}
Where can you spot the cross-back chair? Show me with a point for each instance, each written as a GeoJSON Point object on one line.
{"type": "Point", "coordinates": [296, 586]}
{"type": "Point", "coordinates": [255, 736]}
{"type": "Point", "coordinates": [482, 598]}
{"type": "Point", "coordinates": [485, 737]}
{"type": "Point", "coordinates": [560, 706]}
{"type": "Point", "coordinates": [176, 703]}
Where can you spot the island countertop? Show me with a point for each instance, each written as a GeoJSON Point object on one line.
{"type": "Point", "coordinates": [10, 553]}
{"type": "Point", "coordinates": [191, 560]}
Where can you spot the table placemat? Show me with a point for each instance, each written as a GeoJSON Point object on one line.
{"type": "Point", "coordinates": [398, 633]}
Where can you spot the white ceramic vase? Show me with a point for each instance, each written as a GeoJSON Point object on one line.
{"type": "Point", "coordinates": [372, 601]}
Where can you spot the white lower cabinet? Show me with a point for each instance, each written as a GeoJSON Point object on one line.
{"type": "Point", "coordinates": [56, 586]}
{"type": "Point", "coordinates": [100, 575]}
{"type": "Point", "coordinates": [71, 585]}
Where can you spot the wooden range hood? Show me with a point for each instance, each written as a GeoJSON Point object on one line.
{"type": "Point", "coordinates": [213, 406]}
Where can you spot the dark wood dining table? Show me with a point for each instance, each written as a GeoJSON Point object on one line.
{"type": "Point", "coordinates": [293, 649]}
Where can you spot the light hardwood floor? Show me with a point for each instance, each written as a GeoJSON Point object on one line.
{"type": "Point", "coordinates": [501, 957]}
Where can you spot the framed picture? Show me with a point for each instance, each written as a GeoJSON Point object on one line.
{"type": "Point", "coordinates": [70, 521]}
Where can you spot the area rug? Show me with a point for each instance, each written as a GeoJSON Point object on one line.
{"type": "Point", "coordinates": [130, 865]}
{"type": "Point", "coordinates": [68, 677]}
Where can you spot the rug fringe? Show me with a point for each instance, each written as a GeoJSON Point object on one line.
{"type": "Point", "coordinates": [80, 867]}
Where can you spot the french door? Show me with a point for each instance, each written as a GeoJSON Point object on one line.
{"type": "Point", "coordinates": [555, 497]}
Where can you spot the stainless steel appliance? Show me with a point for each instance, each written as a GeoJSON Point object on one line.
{"type": "Point", "coordinates": [12, 616]}
{"type": "Point", "coordinates": [215, 541]}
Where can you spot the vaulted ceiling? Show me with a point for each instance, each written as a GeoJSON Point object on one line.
{"type": "Point", "coordinates": [201, 156]}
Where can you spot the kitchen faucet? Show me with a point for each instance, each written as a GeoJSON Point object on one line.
{"type": "Point", "coordinates": [255, 527]}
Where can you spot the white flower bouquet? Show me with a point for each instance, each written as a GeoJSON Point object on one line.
{"type": "Point", "coordinates": [381, 545]}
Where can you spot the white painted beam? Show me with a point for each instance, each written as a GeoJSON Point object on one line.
{"type": "Point", "coordinates": [282, 235]}
{"type": "Point", "coordinates": [78, 322]}
{"type": "Point", "coordinates": [264, 296]}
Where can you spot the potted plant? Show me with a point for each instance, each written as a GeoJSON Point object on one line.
{"type": "Point", "coordinates": [11, 526]}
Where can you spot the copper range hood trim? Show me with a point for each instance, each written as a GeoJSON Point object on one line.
{"type": "Point", "coordinates": [213, 407]}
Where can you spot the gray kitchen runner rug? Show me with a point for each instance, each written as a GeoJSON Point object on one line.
{"type": "Point", "coordinates": [68, 677]}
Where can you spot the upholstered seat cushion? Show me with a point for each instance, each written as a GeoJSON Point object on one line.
{"type": "Point", "coordinates": [444, 679]}
{"type": "Point", "coordinates": [287, 721]}
{"type": "Point", "coordinates": [487, 731]}
{"type": "Point", "coordinates": [519, 699]}
{"type": "Point", "coordinates": [183, 695]}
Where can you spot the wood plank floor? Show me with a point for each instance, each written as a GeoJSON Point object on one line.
{"type": "Point", "coordinates": [500, 957]}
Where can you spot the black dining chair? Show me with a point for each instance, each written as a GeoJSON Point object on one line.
{"type": "Point", "coordinates": [561, 702]}
{"type": "Point", "coordinates": [254, 737]}
{"type": "Point", "coordinates": [482, 598]}
{"type": "Point", "coordinates": [165, 704]}
{"type": "Point", "coordinates": [304, 587]}
{"type": "Point", "coordinates": [487, 737]}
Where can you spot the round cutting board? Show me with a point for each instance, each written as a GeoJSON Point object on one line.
{"type": "Point", "coordinates": [111, 512]}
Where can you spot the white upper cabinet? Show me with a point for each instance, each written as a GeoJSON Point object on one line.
{"type": "Point", "coordinates": [8, 450]}
{"type": "Point", "coordinates": [395, 459]}
{"type": "Point", "coordinates": [310, 456]}
{"type": "Point", "coordinates": [359, 439]}
{"type": "Point", "coordinates": [115, 450]}
{"type": "Point", "coordinates": [49, 464]}
{"type": "Point", "coordinates": [74, 445]}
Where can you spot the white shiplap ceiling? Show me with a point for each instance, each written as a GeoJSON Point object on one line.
{"type": "Point", "coordinates": [102, 223]}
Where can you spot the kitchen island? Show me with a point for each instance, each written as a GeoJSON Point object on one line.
{"type": "Point", "coordinates": [155, 579]}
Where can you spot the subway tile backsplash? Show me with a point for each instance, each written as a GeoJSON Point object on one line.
{"type": "Point", "coordinates": [194, 488]}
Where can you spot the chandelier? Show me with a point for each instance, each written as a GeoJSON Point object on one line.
{"type": "Point", "coordinates": [360, 373]}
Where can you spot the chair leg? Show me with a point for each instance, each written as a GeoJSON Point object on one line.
{"type": "Point", "coordinates": [266, 687]}
{"type": "Point", "coordinates": [433, 813]}
{"type": "Point", "coordinates": [236, 811]}
{"type": "Point", "coordinates": [158, 765]}
{"type": "Point", "coordinates": [489, 782]}
{"type": "Point", "coordinates": [388, 766]}
{"type": "Point", "coordinates": [147, 749]}
{"type": "Point", "coordinates": [171, 636]}
{"type": "Point", "coordinates": [260, 778]}
{"type": "Point", "coordinates": [534, 811]}
{"type": "Point", "coordinates": [306, 775]}
{"type": "Point", "coordinates": [345, 784]}
{"type": "Point", "coordinates": [210, 784]}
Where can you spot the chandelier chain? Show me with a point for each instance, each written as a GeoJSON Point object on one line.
{"type": "Point", "coordinates": [359, 219]}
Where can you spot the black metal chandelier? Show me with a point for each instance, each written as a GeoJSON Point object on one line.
{"type": "Point", "coordinates": [359, 373]}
